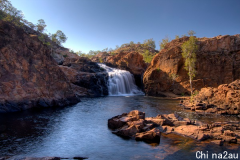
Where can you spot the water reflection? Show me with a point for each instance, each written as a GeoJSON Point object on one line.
{"type": "Point", "coordinates": [81, 130]}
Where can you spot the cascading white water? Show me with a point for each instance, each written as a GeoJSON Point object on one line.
{"type": "Point", "coordinates": [120, 82]}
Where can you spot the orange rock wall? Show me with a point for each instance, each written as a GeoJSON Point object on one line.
{"type": "Point", "coordinates": [218, 62]}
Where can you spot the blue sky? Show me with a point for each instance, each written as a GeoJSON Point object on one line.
{"type": "Point", "coordinates": [97, 24]}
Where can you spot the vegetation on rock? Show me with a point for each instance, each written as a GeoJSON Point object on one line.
{"type": "Point", "coordinates": [189, 49]}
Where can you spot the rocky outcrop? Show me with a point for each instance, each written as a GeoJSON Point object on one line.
{"type": "Point", "coordinates": [29, 76]}
{"type": "Point", "coordinates": [130, 61]}
{"type": "Point", "coordinates": [101, 57]}
{"type": "Point", "coordinates": [218, 62]}
{"type": "Point", "coordinates": [135, 125]}
{"type": "Point", "coordinates": [225, 99]}
{"type": "Point", "coordinates": [84, 73]}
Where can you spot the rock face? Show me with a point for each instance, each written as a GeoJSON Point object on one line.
{"type": "Point", "coordinates": [29, 76]}
{"type": "Point", "coordinates": [149, 129]}
{"type": "Point", "coordinates": [130, 61]}
{"type": "Point", "coordinates": [84, 73]}
{"type": "Point", "coordinates": [218, 62]}
{"type": "Point", "coordinates": [225, 99]}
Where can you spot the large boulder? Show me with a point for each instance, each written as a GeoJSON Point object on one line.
{"type": "Point", "coordinates": [29, 76]}
{"type": "Point", "coordinates": [134, 125]}
{"type": "Point", "coordinates": [218, 62]}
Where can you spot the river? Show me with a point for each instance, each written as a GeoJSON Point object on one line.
{"type": "Point", "coordinates": [81, 130]}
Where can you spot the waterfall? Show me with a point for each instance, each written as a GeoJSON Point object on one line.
{"type": "Point", "coordinates": [120, 82]}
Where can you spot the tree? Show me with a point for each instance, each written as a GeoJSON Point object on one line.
{"type": "Point", "coordinates": [147, 56]}
{"type": "Point", "coordinates": [41, 25]}
{"type": "Point", "coordinates": [189, 49]}
{"type": "Point", "coordinates": [191, 33]}
{"type": "Point", "coordinates": [105, 50]}
{"type": "Point", "coordinates": [131, 43]}
{"type": "Point", "coordinates": [31, 25]}
{"type": "Point", "coordinates": [59, 37]}
{"type": "Point", "coordinates": [150, 43]}
{"type": "Point", "coordinates": [165, 41]}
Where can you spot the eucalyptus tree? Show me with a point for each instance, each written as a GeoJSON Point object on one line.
{"type": "Point", "coordinates": [189, 49]}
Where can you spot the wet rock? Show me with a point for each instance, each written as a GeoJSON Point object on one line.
{"type": "Point", "coordinates": [117, 122]}
{"type": "Point", "coordinates": [217, 142]}
{"type": "Point", "coordinates": [149, 136]}
{"type": "Point", "coordinates": [149, 128]}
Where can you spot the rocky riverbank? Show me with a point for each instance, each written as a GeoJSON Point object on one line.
{"type": "Point", "coordinates": [32, 74]}
{"type": "Point", "coordinates": [136, 126]}
{"type": "Point", "coordinates": [225, 99]}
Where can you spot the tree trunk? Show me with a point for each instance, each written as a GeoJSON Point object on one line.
{"type": "Point", "coordinates": [190, 77]}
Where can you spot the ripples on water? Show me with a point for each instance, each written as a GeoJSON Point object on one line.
{"type": "Point", "coordinates": [81, 130]}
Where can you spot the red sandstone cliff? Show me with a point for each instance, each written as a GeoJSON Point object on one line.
{"type": "Point", "coordinates": [29, 76]}
{"type": "Point", "coordinates": [218, 62]}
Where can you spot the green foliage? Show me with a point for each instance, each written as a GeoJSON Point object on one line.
{"type": "Point", "coordinates": [100, 60]}
{"type": "Point", "coordinates": [196, 92]}
{"type": "Point", "coordinates": [147, 57]}
{"type": "Point", "coordinates": [113, 53]}
{"type": "Point", "coordinates": [59, 37]}
{"type": "Point", "coordinates": [41, 25]}
{"type": "Point", "coordinates": [10, 13]}
{"type": "Point", "coordinates": [191, 33]}
{"type": "Point", "coordinates": [105, 50]}
{"type": "Point", "coordinates": [131, 43]}
{"type": "Point", "coordinates": [177, 37]}
{"type": "Point", "coordinates": [65, 55]}
{"type": "Point", "coordinates": [189, 49]}
{"type": "Point", "coordinates": [149, 43]}
{"type": "Point", "coordinates": [165, 41]}
{"type": "Point", "coordinates": [184, 35]}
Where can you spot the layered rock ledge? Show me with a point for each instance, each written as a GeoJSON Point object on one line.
{"type": "Point", "coordinates": [225, 99]}
{"type": "Point", "coordinates": [134, 125]}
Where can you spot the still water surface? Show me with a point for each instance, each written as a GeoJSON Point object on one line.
{"type": "Point", "coordinates": [81, 130]}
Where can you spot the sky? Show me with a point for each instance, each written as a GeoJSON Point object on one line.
{"type": "Point", "coordinates": [98, 24]}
